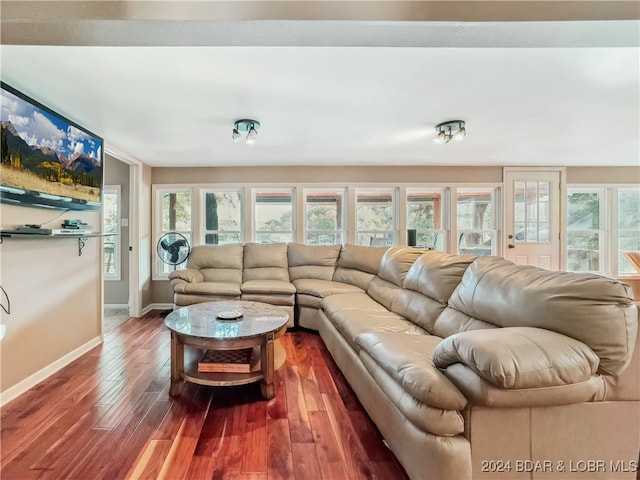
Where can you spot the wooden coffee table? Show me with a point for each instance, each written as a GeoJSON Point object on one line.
{"type": "Point", "coordinates": [200, 327]}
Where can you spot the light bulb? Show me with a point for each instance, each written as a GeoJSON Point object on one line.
{"type": "Point", "coordinates": [461, 133]}
{"type": "Point", "coordinates": [251, 136]}
{"type": "Point", "coordinates": [236, 136]}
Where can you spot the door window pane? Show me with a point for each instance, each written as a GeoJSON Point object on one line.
{"type": "Point", "coordinates": [324, 216]}
{"type": "Point", "coordinates": [531, 211]}
{"type": "Point", "coordinates": [376, 216]}
{"type": "Point", "coordinates": [273, 214]}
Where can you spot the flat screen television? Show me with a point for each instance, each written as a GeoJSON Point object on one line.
{"type": "Point", "coordinates": [46, 159]}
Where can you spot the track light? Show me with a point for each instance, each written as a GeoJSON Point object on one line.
{"type": "Point", "coordinates": [252, 135]}
{"type": "Point", "coordinates": [447, 131]}
{"type": "Point", "coordinates": [245, 125]}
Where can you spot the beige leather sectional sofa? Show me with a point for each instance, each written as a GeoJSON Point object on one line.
{"type": "Point", "coordinates": [470, 367]}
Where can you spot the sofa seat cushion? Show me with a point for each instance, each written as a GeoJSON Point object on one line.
{"type": "Point", "coordinates": [309, 301]}
{"type": "Point", "coordinates": [407, 359]}
{"type": "Point", "coordinates": [519, 357]}
{"type": "Point", "coordinates": [284, 300]}
{"type": "Point", "coordinates": [356, 313]}
{"type": "Point", "coordinates": [276, 287]}
{"type": "Point", "coordinates": [352, 323]}
{"type": "Point", "coordinates": [438, 421]}
{"type": "Point", "coordinates": [350, 301]}
{"type": "Point", "coordinates": [323, 288]}
{"type": "Point", "coordinates": [209, 288]}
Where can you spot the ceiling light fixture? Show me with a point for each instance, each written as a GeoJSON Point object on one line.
{"type": "Point", "coordinates": [245, 125]}
{"type": "Point", "coordinates": [447, 131]}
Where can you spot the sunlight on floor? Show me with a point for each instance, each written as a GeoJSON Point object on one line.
{"type": "Point", "coordinates": [114, 317]}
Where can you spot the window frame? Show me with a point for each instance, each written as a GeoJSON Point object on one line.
{"type": "Point", "coordinates": [611, 233]}
{"type": "Point", "coordinates": [202, 226]}
{"type": "Point", "coordinates": [255, 190]}
{"type": "Point", "coordinates": [604, 232]}
{"type": "Point", "coordinates": [342, 211]}
{"type": "Point", "coordinates": [615, 238]}
{"type": "Point", "coordinates": [158, 192]}
{"type": "Point", "coordinates": [115, 239]}
{"type": "Point", "coordinates": [444, 229]}
{"type": "Point", "coordinates": [395, 209]}
{"type": "Point", "coordinates": [497, 206]}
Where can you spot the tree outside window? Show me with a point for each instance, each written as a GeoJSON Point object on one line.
{"type": "Point", "coordinates": [628, 228]}
{"type": "Point", "coordinates": [176, 209]}
{"type": "Point", "coordinates": [324, 216]}
{"type": "Point", "coordinates": [425, 215]}
{"type": "Point", "coordinates": [585, 230]}
{"type": "Point", "coordinates": [223, 217]}
{"type": "Point", "coordinates": [376, 216]}
{"type": "Point", "coordinates": [273, 215]}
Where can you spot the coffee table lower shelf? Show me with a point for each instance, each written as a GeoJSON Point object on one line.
{"type": "Point", "coordinates": [221, 379]}
{"type": "Point", "coordinates": [191, 374]}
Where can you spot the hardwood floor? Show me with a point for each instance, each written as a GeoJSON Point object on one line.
{"type": "Point", "coordinates": [108, 415]}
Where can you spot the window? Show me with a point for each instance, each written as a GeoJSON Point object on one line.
{"type": "Point", "coordinates": [273, 215]}
{"type": "Point", "coordinates": [376, 222]}
{"type": "Point", "coordinates": [476, 220]}
{"type": "Point", "coordinates": [585, 230]}
{"type": "Point", "coordinates": [425, 209]}
{"type": "Point", "coordinates": [223, 216]}
{"type": "Point", "coordinates": [175, 212]}
{"type": "Point", "coordinates": [628, 228]}
{"type": "Point", "coordinates": [324, 216]}
{"type": "Point", "coordinates": [111, 224]}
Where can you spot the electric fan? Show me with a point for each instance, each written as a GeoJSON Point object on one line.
{"type": "Point", "coordinates": [173, 248]}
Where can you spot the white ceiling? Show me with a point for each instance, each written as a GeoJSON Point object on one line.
{"type": "Point", "coordinates": [532, 93]}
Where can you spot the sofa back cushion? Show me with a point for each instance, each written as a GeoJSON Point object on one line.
{"type": "Point", "coordinates": [218, 263]}
{"type": "Point", "coordinates": [394, 265]}
{"type": "Point", "coordinates": [428, 285]}
{"type": "Point", "coordinates": [265, 261]}
{"type": "Point", "coordinates": [312, 261]}
{"type": "Point", "coordinates": [357, 264]}
{"type": "Point", "coordinates": [593, 309]}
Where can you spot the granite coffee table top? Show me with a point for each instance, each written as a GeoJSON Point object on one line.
{"type": "Point", "coordinates": [243, 319]}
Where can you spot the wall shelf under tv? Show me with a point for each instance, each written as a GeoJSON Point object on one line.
{"type": "Point", "coordinates": [81, 237]}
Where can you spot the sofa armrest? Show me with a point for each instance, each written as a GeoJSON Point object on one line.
{"type": "Point", "coordinates": [189, 275]}
{"type": "Point", "coordinates": [519, 357]}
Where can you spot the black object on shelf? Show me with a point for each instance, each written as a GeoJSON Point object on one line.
{"type": "Point", "coordinates": [411, 237]}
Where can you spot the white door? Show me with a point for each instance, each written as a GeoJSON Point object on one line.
{"type": "Point", "coordinates": [532, 217]}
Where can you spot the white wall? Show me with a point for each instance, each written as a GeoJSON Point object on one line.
{"type": "Point", "coordinates": [55, 295]}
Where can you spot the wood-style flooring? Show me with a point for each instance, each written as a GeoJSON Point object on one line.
{"type": "Point", "coordinates": [108, 415]}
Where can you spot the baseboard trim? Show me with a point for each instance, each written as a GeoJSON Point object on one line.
{"type": "Point", "coordinates": [116, 306]}
{"type": "Point", "coordinates": [156, 306]}
{"type": "Point", "coordinates": [32, 380]}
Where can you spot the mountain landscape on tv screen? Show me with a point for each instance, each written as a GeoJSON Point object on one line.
{"type": "Point", "coordinates": [46, 154]}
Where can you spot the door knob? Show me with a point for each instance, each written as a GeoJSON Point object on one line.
{"type": "Point", "coordinates": [511, 245]}
{"type": "Point", "coordinates": [509, 236]}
